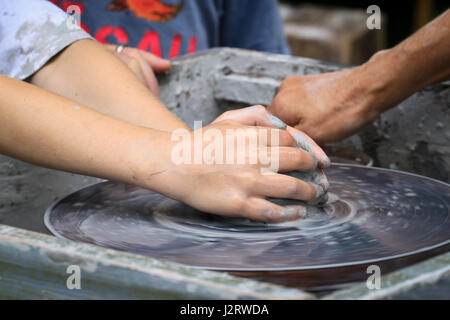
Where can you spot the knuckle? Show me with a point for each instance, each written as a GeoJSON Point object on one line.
{"type": "Point", "coordinates": [226, 113]}
{"type": "Point", "coordinates": [243, 207]}
{"type": "Point", "coordinates": [294, 79]}
{"type": "Point", "coordinates": [236, 206]}
{"type": "Point", "coordinates": [260, 108]}
{"type": "Point", "coordinates": [289, 81]}
{"type": "Point", "coordinates": [247, 178]}
{"type": "Point", "coordinates": [276, 102]}
{"type": "Point", "coordinates": [252, 132]}
{"type": "Point", "coordinates": [133, 63]}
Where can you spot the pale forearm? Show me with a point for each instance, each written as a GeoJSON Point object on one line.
{"type": "Point", "coordinates": [87, 73]}
{"type": "Point", "coordinates": [49, 130]}
{"type": "Point", "coordinates": [52, 131]}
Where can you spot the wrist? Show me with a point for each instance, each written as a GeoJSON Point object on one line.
{"type": "Point", "coordinates": [359, 93]}
{"type": "Point", "coordinates": [155, 165]}
{"type": "Point", "coordinates": [381, 80]}
{"type": "Point", "coordinates": [148, 155]}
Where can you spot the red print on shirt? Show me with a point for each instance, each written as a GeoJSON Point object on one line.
{"type": "Point", "coordinates": [153, 10]}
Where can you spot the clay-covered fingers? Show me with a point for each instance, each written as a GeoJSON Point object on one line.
{"type": "Point", "coordinates": [291, 159]}
{"type": "Point", "coordinates": [322, 181]}
{"type": "Point", "coordinates": [265, 136]}
{"type": "Point", "coordinates": [274, 137]}
{"type": "Point", "coordinates": [259, 116]}
{"type": "Point", "coordinates": [306, 143]}
{"type": "Point", "coordinates": [321, 184]}
{"type": "Point", "coordinates": [286, 188]}
{"type": "Point", "coordinates": [263, 210]}
{"type": "Point", "coordinates": [318, 180]}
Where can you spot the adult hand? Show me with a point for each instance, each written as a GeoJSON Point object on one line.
{"type": "Point", "coordinates": [328, 107]}
{"type": "Point", "coordinates": [332, 106]}
{"type": "Point", "coordinates": [143, 64]}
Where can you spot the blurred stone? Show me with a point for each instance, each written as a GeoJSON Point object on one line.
{"type": "Point", "coordinates": [331, 34]}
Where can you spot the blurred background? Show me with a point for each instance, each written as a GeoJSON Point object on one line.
{"type": "Point", "coordinates": [336, 31]}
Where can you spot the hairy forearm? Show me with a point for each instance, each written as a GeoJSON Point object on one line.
{"type": "Point", "coordinates": [390, 76]}
{"type": "Point", "coordinates": [87, 73]}
{"type": "Point", "coordinates": [52, 131]}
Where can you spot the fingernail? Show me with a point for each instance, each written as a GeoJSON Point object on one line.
{"type": "Point", "coordinates": [277, 123]}
{"type": "Point", "coordinates": [305, 145]}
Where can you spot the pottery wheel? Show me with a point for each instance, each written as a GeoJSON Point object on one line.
{"type": "Point", "coordinates": [376, 216]}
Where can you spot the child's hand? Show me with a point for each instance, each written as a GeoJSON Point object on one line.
{"type": "Point", "coordinates": [259, 116]}
{"type": "Point", "coordinates": [143, 64]}
{"type": "Point", "coordinates": [226, 181]}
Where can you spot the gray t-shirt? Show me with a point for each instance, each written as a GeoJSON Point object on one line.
{"type": "Point", "coordinates": [31, 33]}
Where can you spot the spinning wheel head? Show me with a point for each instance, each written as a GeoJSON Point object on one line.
{"type": "Point", "coordinates": [376, 216]}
